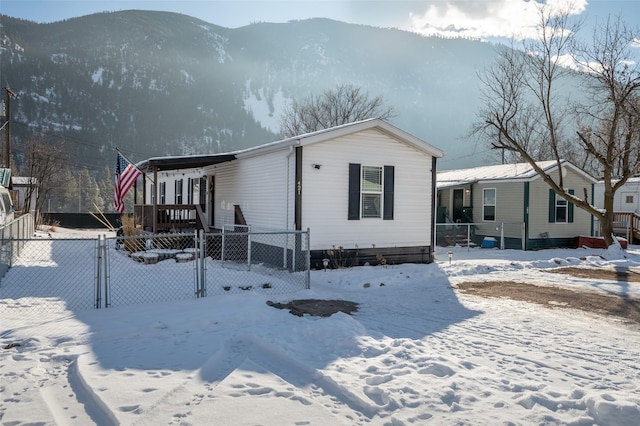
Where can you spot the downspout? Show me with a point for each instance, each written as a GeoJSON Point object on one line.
{"type": "Point", "coordinates": [525, 243]}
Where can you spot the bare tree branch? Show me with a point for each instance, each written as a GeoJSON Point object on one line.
{"type": "Point", "coordinates": [526, 114]}
{"type": "Point", "coordinates": [342, 105]}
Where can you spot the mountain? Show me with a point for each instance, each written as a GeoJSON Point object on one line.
{"type": "Point", "coordinates": [159, 83]}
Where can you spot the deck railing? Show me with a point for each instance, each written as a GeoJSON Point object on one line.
{"type": "Point", "coordinates": [627, 224]}
{"type": "Point", "coordinates": [169, 217]}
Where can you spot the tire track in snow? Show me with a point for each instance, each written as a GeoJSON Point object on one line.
{"type": "Point", "coordinates": [313, 387]}
{"type": "Point", "coordinates": [85, 395]}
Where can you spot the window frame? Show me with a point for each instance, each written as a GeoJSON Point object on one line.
{"type": "Point", "coordinates": [162, 193]}
{"type": "Point", "coordinates": [371, 194]}
{"type": "Point", "coordinates": [485, 204]}
{"type": "Point", "coordinates": [178, 193]}
{"type": "Point", "coordinates": [561, 204]}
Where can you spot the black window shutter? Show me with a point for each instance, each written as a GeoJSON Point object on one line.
{"type": "Point", "coordinates": [388, 193]}
{"type": "Point", "coordinates": [354, 192]}
{"type": "Point", "coordinates": [552, 206]}
{"type": "Point", "coordinates": [570, 209]}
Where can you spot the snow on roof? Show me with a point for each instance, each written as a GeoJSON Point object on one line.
{"type": "Point", "coordinates": [23, 180]}
{"type": "Point", "coordinates": [189, 161]}
{"type": "Point", "coordinates": [450, 178]}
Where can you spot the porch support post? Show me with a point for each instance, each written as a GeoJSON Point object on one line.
{"type": "Point", "coordinates": [155, 199]}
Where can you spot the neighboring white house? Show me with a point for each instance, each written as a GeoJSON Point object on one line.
{"type": "Point", "coordinates": [515, 194]}
{"type": "Point", "coordinates": [626, 199]}
{"type": "Point", "coordinates": [367, 187]}
{"type": "Point", "coordinates": [21, 185]}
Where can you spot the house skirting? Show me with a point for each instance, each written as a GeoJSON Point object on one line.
{"type": "Point", "coordinates": [544, 243]}
{"type": "Point", "coordinates": [339, 258]}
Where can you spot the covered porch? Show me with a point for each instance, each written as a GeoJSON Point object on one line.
{"type": "Point", "coordinates": [151, 216]}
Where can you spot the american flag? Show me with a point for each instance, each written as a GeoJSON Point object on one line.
{"type": "Point", "coordinates": [126, 175]}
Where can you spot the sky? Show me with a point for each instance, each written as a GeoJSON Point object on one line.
{"type": "Point", "coordinates": [485, 19]}
{"type": "Point", "coordinates": [416, 352]}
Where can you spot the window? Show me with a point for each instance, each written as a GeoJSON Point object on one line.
{"type": "Point", "coordinates": [192, 190]}
{"type": "Point", "coordinates": [628, 199]}
{"type": "Point", "coordinates": [203, 194]}
{"type": "Point", "coordinates": [163, 193]}
{"type": "Point", "coordinates": [560, 210]}
{"type": "Point", "coordinates": [178, 191]}
{"type": "Point", "coordinates": [371, 192]}
{"type": "Point", "coordinates": [489, 204]}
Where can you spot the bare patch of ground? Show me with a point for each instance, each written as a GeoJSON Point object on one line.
{"type": "Point", "coordinates": [316, 307]}
{"type": "Point", "coordinates": [625, 307]}
{"type": "Point", "coordinates": [613, 274]}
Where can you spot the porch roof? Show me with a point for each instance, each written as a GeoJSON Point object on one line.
{"type": "Point", "coordinates": [444, 184]}
{"type": "Point", "coordinates": [183, 162]}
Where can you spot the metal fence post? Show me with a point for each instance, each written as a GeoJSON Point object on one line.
{"type": "Point", "coordinates": [105, 275]}
{"type": "Point", "coordinates": [222, 245]}
{"type": "Point", "coordinates": [285, 251]}
{"type": "Point", "coordinates": [201, 254]}
{"type": "Point", "coordinates": [523, 234]}
{"type": "Point", "coordinates": [98, 280]}
{"type": "Point", "coordinates": [468, 236]}
{"type": "Point", "coordinates": [248, 250]}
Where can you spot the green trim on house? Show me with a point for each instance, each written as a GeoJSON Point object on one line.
{"type": "Point", "coordinates": [592, 202]}
{"type": "Point", "coordinates": [525, 219]}
{"type": "Point", "coordinates": [544, 243]}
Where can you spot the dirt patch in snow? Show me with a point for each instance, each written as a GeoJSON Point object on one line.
{"type": "Point", "coordinates": [607, 304]}
{"type": "Point", "coordinates": [613, 274]}
{"type": "Point", "coordinates": [316, 307]}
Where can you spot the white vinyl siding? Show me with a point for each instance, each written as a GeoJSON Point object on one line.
{"type": "Point", "coordinates": [325, 193]}
{"type": "Point", "coordinates": [259, 186]}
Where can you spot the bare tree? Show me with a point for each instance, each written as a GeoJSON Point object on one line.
{"type": "Point", "coordinates": [344, 104]}
{"type": "Point", "coordinates": [44, 161]}
{"type": "Point", "coordinates": [609, 126]}
{"type": "Point", "coordinates": [526, 114]}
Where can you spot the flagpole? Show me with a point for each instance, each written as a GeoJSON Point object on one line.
{"type": "Point", "coordinates": [134, 165]}
{"type": "Point", "coordinates": [130, 162]}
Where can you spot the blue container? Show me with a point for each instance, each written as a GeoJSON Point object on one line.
{"type": "Point", "coordinates": [489, 242]}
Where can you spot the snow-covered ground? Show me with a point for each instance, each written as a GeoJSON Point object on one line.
{"type": "Point", "coordinates": [416, 352]}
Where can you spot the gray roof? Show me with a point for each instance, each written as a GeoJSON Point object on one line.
{"type": "Point", "coordinates": [500, 172]}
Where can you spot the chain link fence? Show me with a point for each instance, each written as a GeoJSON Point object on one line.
{"type": "Point", "coordinates": [106, 272]}
{"type": "Point", "coordinates": [500, 235]}
{"type": "Point", "coordinates": [12, 237]}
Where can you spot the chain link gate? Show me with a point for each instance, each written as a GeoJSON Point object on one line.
{"type": "Point", "coordinates": [54, 274]}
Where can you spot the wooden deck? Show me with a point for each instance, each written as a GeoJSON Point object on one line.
{"type": "Point", "coordinates": [627, 225]}
{"type": "Point", "coordinates": [169, 217]}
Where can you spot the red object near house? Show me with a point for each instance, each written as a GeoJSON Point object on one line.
{"type": "Point", "coordinates": [598, 242]}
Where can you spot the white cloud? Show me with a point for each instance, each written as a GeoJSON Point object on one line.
{"type": "Point", "coordinates": [487, 18]}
